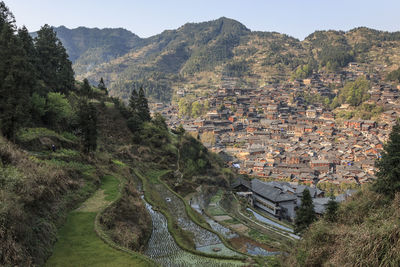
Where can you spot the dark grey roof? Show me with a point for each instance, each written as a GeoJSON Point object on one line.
{"type": "Point", "coordinates": [269, 192]}
{"type": "Point", "coordinates": [313, 191]}
{"type": "Point", "coordinates": [243, 182]}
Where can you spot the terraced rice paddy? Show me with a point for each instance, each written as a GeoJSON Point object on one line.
{"type": "Point", "coordinates": [198, 203]}
{"type": "Point", "coordinates": [163, 249]}
{"type": "Point", "coordinates": [203, 239]}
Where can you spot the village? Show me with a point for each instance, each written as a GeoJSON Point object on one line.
{"type": "Point", "coordinates": [273, 134]}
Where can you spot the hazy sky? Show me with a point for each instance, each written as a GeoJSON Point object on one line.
{"type": "Point", "coordinates": [297, 18]}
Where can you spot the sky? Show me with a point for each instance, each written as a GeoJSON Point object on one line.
{"type": "Point", "coordinates": [297, 18]}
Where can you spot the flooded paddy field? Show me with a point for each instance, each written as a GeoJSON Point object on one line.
{"type": "Point", "coordinates": [242, 243]}
{"type": "Point", "coordinates": [163, 249]}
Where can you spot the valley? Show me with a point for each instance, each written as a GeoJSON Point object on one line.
{"type": "Point", "coordinates": [205, 145]}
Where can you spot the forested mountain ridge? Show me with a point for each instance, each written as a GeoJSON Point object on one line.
{"type": "Point", "coordinates": [202, 53]}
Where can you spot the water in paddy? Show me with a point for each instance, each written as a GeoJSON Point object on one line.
{"type": "Point", "coordinates": [163, 249]}
{"type": "Point", "coordinates": [272, 223]}
{"type": "Point", "coordinates": [251, 249]}
{"type": "Point", "coordinates": [204, 240]}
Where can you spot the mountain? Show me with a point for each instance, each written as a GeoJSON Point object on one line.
{"type": "Point", "coordinates": [197, 55]}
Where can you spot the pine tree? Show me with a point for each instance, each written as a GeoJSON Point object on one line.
{"type": "Point", "coordinates": [102, 86]}
{"type": "Point", "coordinates": [15, 76]}
{"type": "Point", "coordinates": [87, 89]}
{"type": "Point", "coordinates": [305, 214]}
{"type": "Point", "coordinates": [133, 102]}
{"type": "Point", "coordinates": [142, 106]}
{"type": "Point", "coordinates": [332, 209]}
{"type": "Point", "coordinates": [55, 69]}
{"type": "Point", "coordinates": [388, 174]}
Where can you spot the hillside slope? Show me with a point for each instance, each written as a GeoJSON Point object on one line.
{"type": "Point", "coordinates": [204, 52]}
{"type": "Point", "coordinates": [366, 234]}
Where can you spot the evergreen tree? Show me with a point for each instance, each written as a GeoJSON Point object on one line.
{"type": "Point", "coordinates": [134, 123]}
{"type": "Point", "coordinates": [30, 52]}
{"type": "Point", "coordinates": [388, 174]}
{"type": "Point", "coordinates": [102, 86]}
{"type": "Point", "coordinates": [133, 102]}
{"type": "Point", "coordinates": [142, 106]}
{"type": "Point", "coordinates": [15, 76]}
{"type": "Point", "coordinates": [88, 126]}
{"type": "Point", "coordinates": [159, 121]}
{"type": "Point", "coordinates": [305, 214]}
{"type": "Point", "coordinates": [54, 67]}
{"type": "Point", "coordinates": [332, 209]}
{"type": "Point", "coordinates": [87, 89]}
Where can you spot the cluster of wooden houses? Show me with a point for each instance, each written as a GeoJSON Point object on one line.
{"type": "Point", "coordinates": [272, 131]}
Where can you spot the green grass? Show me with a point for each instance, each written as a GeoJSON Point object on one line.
{"type": "Point", "coordinates": [78, 166]}
{"type": "Point", "coordinates": [263, 238]}
{"type": "Point", "coordinates": [110, 186]}
{"type": "Point", "coordinates": [216, 211]}
{"type": "Point", "coordinates": [217, 197]}
{"type": "Point", "coordinates": [78, 245]}
{"type": "Point", "coordinates": [232, 221]}
{"type": "Point", "coordinates": [28, 134]}
{"type": "Point", "coordinates": [118, 163]}
{"type": "Point", "coordinates": [109, 104]}
{"type": "Point", "coordinates": [153, 175]}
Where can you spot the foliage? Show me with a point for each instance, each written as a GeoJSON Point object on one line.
{"type": "Point", "coordinates": [332, 209]}
{"type": "Point", "coordinates": [16, 76]}
{"type": "Point", "coordinates": [312, 99]}
{"type": "Point", "coordinates": [302, 72]}
{"type": "Point", "coordinates": [196, 109]}
{"type": "Point", "coordinates": [142, 106]}
{"type": "Point", "coordinates": [88, 126]}
{"type": "Point", "coordinates": [394, 75]}
{"type": "Point", "coordinates": [29, 203]}
{"type": "Point", "coordinates": [159, 121]}
{"type": "Point", "coordinates": [193, 156]}
{"type": "Point", "coordinates": [305, 214]}
{"type": "Point", "coordinates": [388, 174]}
{"type": "Point", "coordinates": [153, 135]}
{"type": "Point", "coordinates": [191, 108]}
{"type": "Point", "coordinates": [54, 67]}
{"type": "Point", "coordinates": [236, 68]}
{"type": "Point", "coordinates": [354, 93]}
{"type": "Point", "coordinates": [122, 221]}
{"type": "Point", "coordinates": [38, 105]}
{"type": "Point", "coordinates": [184, 107]}
{"type": "Point", "coordinates": [365, 111]}
{"type": "Point", "coordinates": [58, 109]}
{"type": "Point", "coordinates": [335, 57]}
{"type": "Point", "coordinates": [364, 234]}
{"type": "Point", "coordinates": [102, 86]}
{"type": "Point", "coordinates": [87, 89]}
{"type": "Point", "coordinates": [139, 112]}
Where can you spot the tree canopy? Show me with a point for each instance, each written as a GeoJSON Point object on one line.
{"type": "Point", "coordinates": [305, 214]}
{"type": "Point", "coordinates": [54, 67]}
{"type": "Point", "coordinates": [353, 93]}
{"type": "Point", "coordinates": [388, 174]}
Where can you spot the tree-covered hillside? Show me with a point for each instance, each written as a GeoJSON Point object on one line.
{"type": "Point", "coordinates": [222, 47]}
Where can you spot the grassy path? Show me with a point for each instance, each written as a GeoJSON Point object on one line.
{"type": "Point", "coordinates": [78, 243]}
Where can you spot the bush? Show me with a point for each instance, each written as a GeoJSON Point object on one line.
{"type": "Point", "coordinates": [58, 109]}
